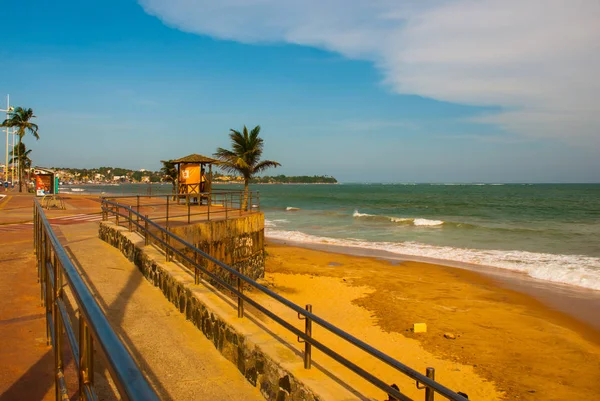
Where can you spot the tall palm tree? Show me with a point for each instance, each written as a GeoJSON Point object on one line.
{"type": "Point", "coordinates": [169, 172]}
{"type": "Point", "coordinates": [244, 158]}
{"type": "Point", "coordinates": [20, 154]}
{"type": "Point", "coordinates": [20, 118]}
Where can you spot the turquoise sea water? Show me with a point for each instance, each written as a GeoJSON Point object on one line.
{"type": "Point", "coordinates": [551, 232]}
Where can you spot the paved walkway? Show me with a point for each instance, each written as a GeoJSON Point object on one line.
{"type": "Point", "coordinates": [26, 362]}
{"type": "Point", "coordinates": [175, 356]}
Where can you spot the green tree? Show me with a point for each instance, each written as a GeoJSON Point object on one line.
{"type": "Point", "coordinates": [20, 118]}
{"type": "Point", "coordinates": [20, 154]}
{"type": "Point", "coordinates": [244, 158]}
{"type": "Point", "coordinates": [169, 172]}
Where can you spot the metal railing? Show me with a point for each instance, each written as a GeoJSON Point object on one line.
{"type": "Point", "coordinates": [54, 266]}
{"type": "Point", "coordinates": [166, 240]}
{"type": "Point", "coordinates": [218, 204]}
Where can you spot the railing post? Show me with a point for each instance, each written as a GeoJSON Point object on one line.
{"type": "Point", "coordinates": [188, 207]}
{"type": "Point", "coordinates": [86, 357]}
{"type": "Point", "coordinates": [41, 259]}
{"type": "Point", "coordinates": [196, 272]}
{"type": "Point", "coordinates": [46, 254]}
{"type": "Point", "coordinates": [429, 393]}
{"type": "Point", "coordinates": [117, 215]}
{"type": "Point", "coordinates": [209, 201]}
{"type": "Point", "coordinates": [240, 288]}
{"type": "Point", "coordinates": [146, 235]}
{"type": "Point", "coordinates": [165, 238]}
{"type": "Point", "coordinates": [58, 330]}
{"type": "Point", "coordinates": [137, 219]}
{"type": "Point", "coordinates": [48, 290]}
{"type": "Point", "coordinates": [39, 247]}
{"type": "Point", "coordinates": [167, 219]}
{"type": "Point", "coordinates": [130, 220]}
{"type": "Point", "coordinates": [308, 345]}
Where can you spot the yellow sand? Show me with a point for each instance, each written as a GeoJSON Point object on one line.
{"type": "Point", "coordinates": [507, 344]}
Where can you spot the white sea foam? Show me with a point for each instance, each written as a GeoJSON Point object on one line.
{"type": "Point", "coordinates": [578, 270]}
{"type": "Point", "coordinates": [358, 214]}
{"type": "Point", "coordinates": [402, 220]}
{"type": "Point", "coordinates": [427, 222]}
{"type": "Point", "coordinates": [292, 209]}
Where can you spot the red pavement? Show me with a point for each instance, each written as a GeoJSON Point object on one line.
{"type": "Point", "coordinates": [26, 362]}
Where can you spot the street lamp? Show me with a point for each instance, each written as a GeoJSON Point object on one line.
{"type": "Point", "coordinates": [8, 110]}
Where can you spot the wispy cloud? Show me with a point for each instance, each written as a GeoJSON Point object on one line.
{"type": "Point", "coordinates": [367, 125]}
{"type": "Point", "coordinates": [489, 138]}
{"type": "Point", "coordinates": [537, 59]}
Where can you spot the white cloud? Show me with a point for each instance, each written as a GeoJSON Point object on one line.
{"type": "Point", "coordinates": [537, 59]}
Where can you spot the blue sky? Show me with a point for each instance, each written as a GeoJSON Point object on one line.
{"type": "Point", "coordinates": [384, 91]}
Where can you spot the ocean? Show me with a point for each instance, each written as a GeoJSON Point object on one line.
{"type": "Point", "coordinates": [547, 231]}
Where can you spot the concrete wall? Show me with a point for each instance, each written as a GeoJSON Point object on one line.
{"type": "Point", "coordinates": [237, 242]}
{"type": "Point", "coordinates": [239, 340]}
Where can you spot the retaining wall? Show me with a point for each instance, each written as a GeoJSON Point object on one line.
{"type": "Point", "coordinates": [205, 308]}
{"type": "Point", "coordinates": [238, 242]}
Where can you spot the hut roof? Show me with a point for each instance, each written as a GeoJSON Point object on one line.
{"type": "Point", "coordinates": [196, 158]}
{"type": "Point", "coordinates": [43, 170]}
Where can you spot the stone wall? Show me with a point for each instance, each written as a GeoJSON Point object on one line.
{"type": "Point", "coordinates": [194, 301]}
{"type": "Point", "coordinates": [238, 243]}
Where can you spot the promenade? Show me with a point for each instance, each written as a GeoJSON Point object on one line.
{"type": "Point", "coordinates": [177, 359]}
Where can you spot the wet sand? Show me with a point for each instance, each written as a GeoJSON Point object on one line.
{"type": "Point", "coordinates": [509, 331]}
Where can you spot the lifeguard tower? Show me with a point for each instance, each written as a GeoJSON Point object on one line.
{"type": "Point", "coordinates": [194, 182]}
{"type": "Point", "coordinates": [46, 185]}
{"type": "Point", "coordinates": [46, 181]}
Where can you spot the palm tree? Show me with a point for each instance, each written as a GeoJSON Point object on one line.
{"type": "Point", "coordinates": [20, 154]}
{"type": "Point", "coordinates": [169, 172]}
{"type": "Point", "coordinates": [244, 158]}
{"type": "Point", "coordinates": [20, 119]}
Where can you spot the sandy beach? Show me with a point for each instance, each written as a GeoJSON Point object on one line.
{"type": "Point", "coordinates": [508, 345]}
{"type": "Point", "coordinates": [514, 339]}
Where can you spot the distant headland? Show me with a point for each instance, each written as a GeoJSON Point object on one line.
{"type": "Point", "coordinates": [104, 175]}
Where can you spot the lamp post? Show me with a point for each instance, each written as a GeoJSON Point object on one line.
{"type": "Point", "coordinates": [8, 110]}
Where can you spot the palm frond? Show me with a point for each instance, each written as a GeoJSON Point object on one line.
{"type": "Point", "coordinates": [265, 164]}
{"type": "Point", "coordinates": [245, 153]}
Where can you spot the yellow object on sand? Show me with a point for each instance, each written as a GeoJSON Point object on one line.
{"type": "Point", "coordinates": [420, 328]}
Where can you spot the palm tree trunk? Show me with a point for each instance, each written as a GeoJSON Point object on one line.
{"type": "Point", "coordinates": [246, 190]}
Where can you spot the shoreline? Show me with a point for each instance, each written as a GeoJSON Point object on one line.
{"type": "Point", "coordinates": [508, 336]}
{"type": "Point", "coordinates": [579, 303]}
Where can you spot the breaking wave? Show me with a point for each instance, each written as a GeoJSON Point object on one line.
{"type": "Point", "coordinates": [401, 220]}
{"type": "Point", "coordinates": [578, 270]}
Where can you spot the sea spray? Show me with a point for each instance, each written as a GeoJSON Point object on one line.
{"type": "Point", "coordinates": [579, 270]}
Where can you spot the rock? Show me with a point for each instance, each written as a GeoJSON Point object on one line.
{"type": "Point", "coordinates": [450, 336]}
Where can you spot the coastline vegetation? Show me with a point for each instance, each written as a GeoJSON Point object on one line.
{"type": "Point", "coordinates": [298, 179]}
{"type": "Point", "coordinates": [102, 175]}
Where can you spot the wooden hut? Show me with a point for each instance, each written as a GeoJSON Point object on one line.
{"type": "Point", "coordinates": [193, 177]}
